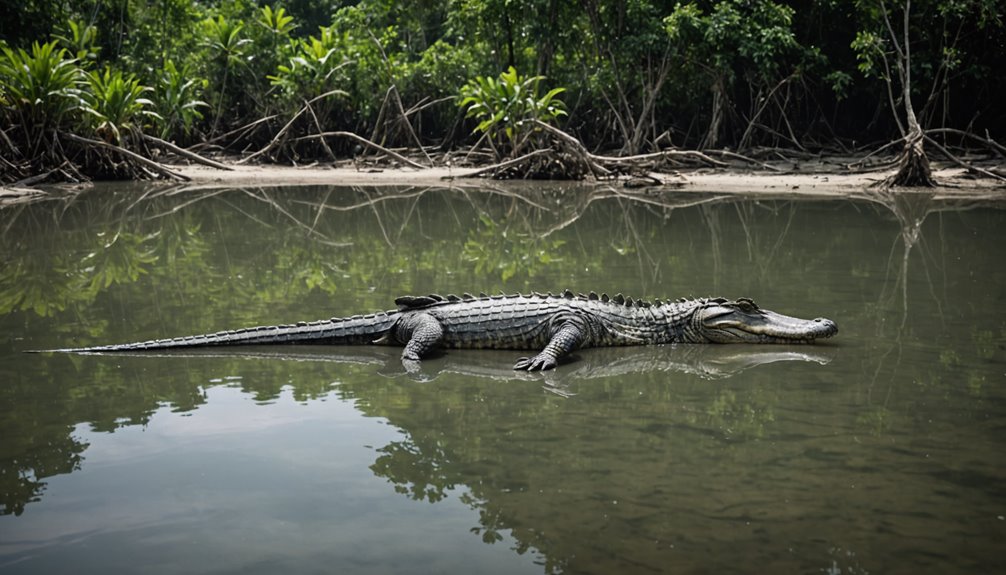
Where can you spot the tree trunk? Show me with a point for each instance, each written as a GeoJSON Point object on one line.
{"type": "Point", "coordinates": [712, 135]}
{"type": "Point", "coordinates": [913, 164]}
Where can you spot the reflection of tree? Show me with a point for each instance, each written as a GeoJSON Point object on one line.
{"type": "Point", "coordinates": [561, 475]}
{"type": "Point", "coordinates": [45, 453]}
{"type": "Point", "coordinates": [416, 472]}
{"type": "Point", "coordinates": [50, 264]}
{"type": "Point", "coordinates": [910, 210]}
{"type": "Point", "coordinates": [325, 242]}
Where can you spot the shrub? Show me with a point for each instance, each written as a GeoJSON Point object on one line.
{"type": "Point", "coordinates": [117, 104]}
{"type": "Point", "coordinates": [42, 94]}
{"type": "Point", "coordinates": [176, 101]}
{"type": "Point", "coordinates": [507, 109]}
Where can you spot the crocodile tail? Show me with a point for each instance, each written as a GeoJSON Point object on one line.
{"type": "Point", "coordinates": [356, 330]}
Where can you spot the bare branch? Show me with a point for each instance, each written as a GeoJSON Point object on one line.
{"type": "Point", "coordinates": [365, 142]}
{"type": "Point", "coordinates": [187, 154]}
{"type": "Point", "coordinates": [962, 163]}
{"type": "Point", "coordinates": [157, 168]}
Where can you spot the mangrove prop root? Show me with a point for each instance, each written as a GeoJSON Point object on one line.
{"type": "Point", "coordinates": [145, 162]}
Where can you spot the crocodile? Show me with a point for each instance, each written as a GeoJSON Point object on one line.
{"type": "Point", "coordinates": [555, 324]}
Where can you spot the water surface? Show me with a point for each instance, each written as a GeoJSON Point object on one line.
{"type": "Point", "coordinates": [878, 452]}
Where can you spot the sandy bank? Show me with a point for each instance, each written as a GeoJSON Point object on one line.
{"type": "Point", "coordinates": [822, 183]}
{"type": "Point", "coordinates": [811, 180]}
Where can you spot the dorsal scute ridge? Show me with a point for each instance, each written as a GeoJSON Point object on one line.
{"type": "Point", "coordinates": [408, 302]}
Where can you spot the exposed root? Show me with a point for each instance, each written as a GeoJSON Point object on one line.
{"type": "Point", "coordinates": [156, 168]}
{"type": "Point", "coordinates": [913, 166]}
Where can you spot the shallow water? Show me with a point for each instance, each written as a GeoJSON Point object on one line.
{"type": "Point", "coordinates": [881, 451]}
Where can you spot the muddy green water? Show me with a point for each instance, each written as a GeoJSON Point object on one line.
{"type": "Point", "coordinates": [882, 451]}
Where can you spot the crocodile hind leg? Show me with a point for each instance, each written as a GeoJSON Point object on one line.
{"type": "Point", "coordinates": [421, 334]}
{"type": "Point", "coordinates": [568, 337]}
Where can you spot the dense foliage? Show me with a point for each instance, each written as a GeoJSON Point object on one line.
{"type": "Point", "coordinates": [638, 75]}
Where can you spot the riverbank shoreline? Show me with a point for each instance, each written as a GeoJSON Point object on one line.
{"type": "Point", "coordinates": [732, 180]}
{"type": "Point", "coordinates": [821, 179]}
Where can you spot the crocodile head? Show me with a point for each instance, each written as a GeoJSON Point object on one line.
{"type": "Point", "coordinates": [742, 321]}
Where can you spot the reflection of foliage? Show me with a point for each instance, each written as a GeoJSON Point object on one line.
{"type": "Point", "coordinates": [739, 417]}
{"type": "Point", "coordinates": [876, 420]}
{"type": "Point", "coordinates": [495, 249]}
{"type": "Point", "coordinates": [986, 343]}
{"type": "Point", "coordinates": [21, 476]}
{"type": "Point", "coordinates": [491, 522]}
{"type": "Point", "coordinates": [121, 259]}
{"type": "Point", "coordinates": [413, 472]}
{"type": "Point", "coordinates": [47, 282]}
{"type": "Point", "coordinates": [30, 281]}
{"type": "Point", "coordinates": [976, 383]}
{"type": "Point", "coordinates": [949, 358]}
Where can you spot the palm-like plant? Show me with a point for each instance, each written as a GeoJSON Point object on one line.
{"type": "Point", "coordinates": [176, 100]}
{"type": "Point", "coordinates": [278, 22]}
{"type": "Point", "coordinates": [223, 37]}
{"type": "Point", "coordinates": [507, 108]}
{"type": "Point", "coordinates": [117, 103]}
{"type": "Point", "coordinates": [81, 40]}
{"type": "Point", "coordinates": [40, 98]}
{"type": "Point", "coordinates": [310, 73]}
{"type": "Point", "coordinates": [42, 94]}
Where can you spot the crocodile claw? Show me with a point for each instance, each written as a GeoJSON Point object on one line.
{"type": "Point", "coordinates": [540, 362]}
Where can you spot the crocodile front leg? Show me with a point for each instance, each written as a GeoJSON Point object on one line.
{"type": "Point", "coordinates": [568, 337]}
{"type": "Point", "coordinates": [420, 333]}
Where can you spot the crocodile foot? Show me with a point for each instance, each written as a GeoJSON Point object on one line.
{"type": "Point", "coordinates": [540, 362]}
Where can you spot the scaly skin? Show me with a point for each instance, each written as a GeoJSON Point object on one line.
{"type": "Point", "coordinates": [554, 324]}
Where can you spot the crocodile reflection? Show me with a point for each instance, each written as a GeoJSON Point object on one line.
{"type": "Point", "coordinates": [705, 362]}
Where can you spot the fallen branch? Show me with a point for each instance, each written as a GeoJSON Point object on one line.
{"type": "Point", "coordinates": [661, 154]}
{"type": "Point", "coordinates": [286, 126]}
{"type": "Point", "coordinates": [999, 148]}
{"type": "Point", "coordinates": [506, 164]}
{"type": "Point", "coordinates": [247, 127]}
{"type": "Point", "coordinates": [585, 156]}
{"type": "Point", "coordinates": [962, 163]}
{"type": "Point", "coordinates": [365, 142]}
{"type": "Point", "coordinates": [746, 159]}
{"type": "Point", "coordinates": [157, 168]}
{"type": "Point", "coordinates": [187, 154]}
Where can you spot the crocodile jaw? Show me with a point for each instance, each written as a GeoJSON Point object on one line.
{"type": "Point", "coordinates": [763, 326]}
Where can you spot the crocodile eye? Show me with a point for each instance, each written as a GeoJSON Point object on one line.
{"type": "Point", "coordinates": [746, 305]}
